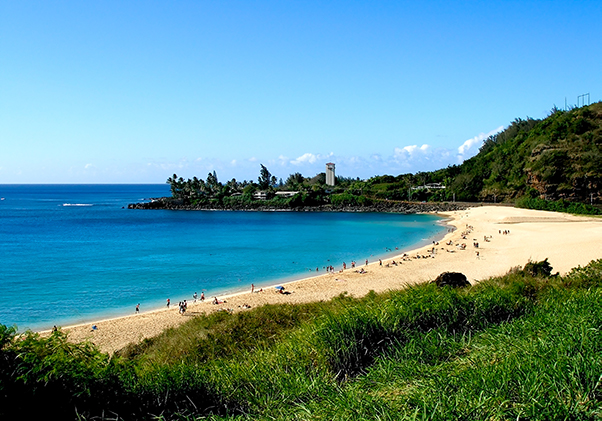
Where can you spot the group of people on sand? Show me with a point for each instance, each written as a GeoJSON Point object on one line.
{"type": "Point", "coordinates": [393, 263]}
{"type": "Point", "coordinates": [182, 305]}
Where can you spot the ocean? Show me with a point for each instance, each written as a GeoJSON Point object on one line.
{"type": "Point", "coordinates": [74, 253]}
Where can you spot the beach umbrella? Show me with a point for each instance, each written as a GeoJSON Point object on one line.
{"type": "Point", "coordinates": [279, 287]}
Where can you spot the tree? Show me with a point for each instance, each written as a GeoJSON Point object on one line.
{"type": "Point", "coordinates": [173, 184]}
{"type": "Point", "coordinates": [212, 184]}
{"type": "Point", "coordinates": [265, 178]}
{"type": "Point", "coordinates": [294, 180]}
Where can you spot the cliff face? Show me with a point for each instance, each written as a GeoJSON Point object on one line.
{"type": "Point", "coordinates": [580, 189]}
{"type": "Point", "coordinates": [566, 155]}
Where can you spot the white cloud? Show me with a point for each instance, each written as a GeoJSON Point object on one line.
{"type": "Point", "coordinates": [310, 158]}
{"type": "Point", "coordinates": [411, 156]}
{"type": "Point", "coordinates": [410, 150]}
{"type": "Point", "coordinates": [88, 166]}
{"type": "Point", "coordinates": [477, 140]}
{"type": "Point", "coordinates": [305, 158]}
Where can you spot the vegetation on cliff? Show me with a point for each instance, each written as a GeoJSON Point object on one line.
{"type": "Point", "coordinates": [523, 346]}
{"type": "Point", "coordinates": [559, 157]}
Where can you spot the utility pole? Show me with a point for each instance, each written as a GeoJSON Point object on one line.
{"type": "Point", "coordinates": [581, 100]}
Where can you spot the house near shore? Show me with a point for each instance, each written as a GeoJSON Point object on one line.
{"type": "Point", "coordinates": [429, 186]}
{"type": "Point", "coordinates": [286, 193]}
{"type": "Point", "coordinates": [263, 195]}
{"type": "Point", "coordinates": [260, 195]}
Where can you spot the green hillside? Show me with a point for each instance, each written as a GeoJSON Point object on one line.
{"type": "Point", "coordinates": [559, 157]}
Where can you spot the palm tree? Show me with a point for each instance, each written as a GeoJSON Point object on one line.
{"type": "Point", "coordinates": [173, 184]}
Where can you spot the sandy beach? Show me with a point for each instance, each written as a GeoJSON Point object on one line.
{"type": "Point", "coordinates": [506, 237]}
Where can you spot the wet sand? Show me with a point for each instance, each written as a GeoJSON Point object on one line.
{"type": "Point", "coordinates": [567, 241]}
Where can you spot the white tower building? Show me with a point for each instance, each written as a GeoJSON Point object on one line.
{"type": "Point", "coordinates": [330, 174]}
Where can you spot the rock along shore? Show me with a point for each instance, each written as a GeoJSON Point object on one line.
{"type": "Point", "coordinates": [167, 203]}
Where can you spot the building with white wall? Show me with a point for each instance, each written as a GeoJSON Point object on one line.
{"type": "Point", "coordinates": [330, 177]}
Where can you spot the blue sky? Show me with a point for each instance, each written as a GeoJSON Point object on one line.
{"type": "Point", "coordinates": [132, 92]}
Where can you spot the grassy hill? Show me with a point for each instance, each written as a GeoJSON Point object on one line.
{"type": "Point", "coordinates": [526, 346]}
{"type": "Point", "coordinates": [559, 157]}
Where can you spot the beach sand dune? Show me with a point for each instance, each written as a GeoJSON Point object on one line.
{"type": "Point", "coordinates": [566, 241]}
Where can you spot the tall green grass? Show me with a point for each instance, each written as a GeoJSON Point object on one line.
{"type": "Point", "coordinates": [515, 347]}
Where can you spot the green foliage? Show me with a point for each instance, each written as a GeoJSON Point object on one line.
{"type": "Point", "coordinates": [557, 206]}
{"type": "Point", "coordinates": [294, 181]}
{"type": "Point", "coordinates": [542, 268]}
{"type": "Point", "coordinates": [349, 200]}
{"type": "Point", "coordinates": [207, 338]}
{"type": "Point", "coordinates": [265, 178]}
{"type": "Point", "coordinates": [558, 157]}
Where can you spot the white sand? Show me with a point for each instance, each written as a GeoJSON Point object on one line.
{"type": "Point", "coordinates": [567, 241]}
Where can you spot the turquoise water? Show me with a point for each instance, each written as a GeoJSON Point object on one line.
{"type": "Point", "coordinates": [75, 253]}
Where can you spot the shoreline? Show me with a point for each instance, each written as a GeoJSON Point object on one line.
{"type": "Point", "coordinates": [533, 236]}
{"type": "Point", "coordinates": [231, 292]}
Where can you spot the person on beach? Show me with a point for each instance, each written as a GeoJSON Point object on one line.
{"type": "Point", "coordinates": [137, 308]}
{"type": "Point", "coordinates": [168, 302]}
{"type": "Point", "coordinates": [202, 296]}
{"type": "Point", "coordinates": [195, 296]}
{"type": "Point", "coordinates": [252, 288]}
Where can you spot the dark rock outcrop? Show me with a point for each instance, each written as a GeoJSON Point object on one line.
{"type": "Point", "coordinates": [380, 206]}
{"type": "Point", "coordinates": [452, 279]}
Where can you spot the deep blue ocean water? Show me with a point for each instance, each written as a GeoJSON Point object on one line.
{"type": "Point", "coordinates": [75, 253]}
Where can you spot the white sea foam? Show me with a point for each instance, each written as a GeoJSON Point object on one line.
{"type": "Point", "coordinates": [77, 204]}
